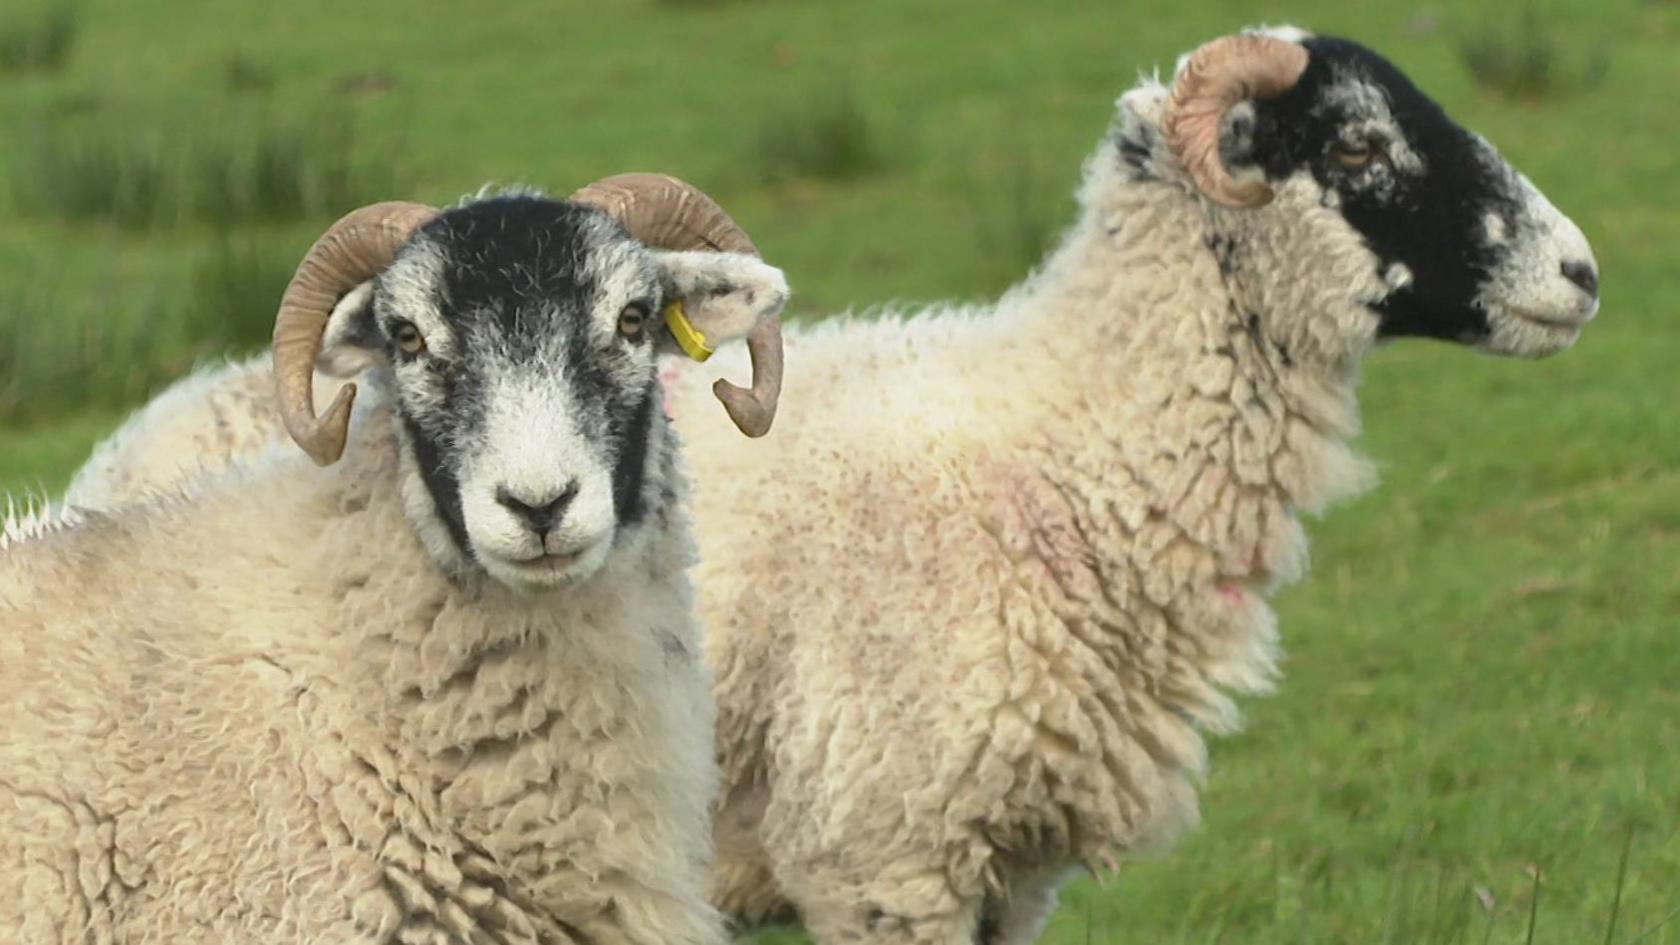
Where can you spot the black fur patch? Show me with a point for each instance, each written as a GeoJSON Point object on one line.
{"type": "Point", "coordinates": [1431, 221]}
{"type": "Point", "coordinates": [987, 933]}
{"type": "Point", "coordinates": [508, 256]}
{"type": "Point", "coordinates": [1134, 155]}
{"type": "Point", "coordinates": [437, 471]}
{"type": "Point", "coordinates": [1224, 249]}
{"type": "Point", "coordinates": [630, 471]}
{"type": "Point", "coordinates": [361, 331]}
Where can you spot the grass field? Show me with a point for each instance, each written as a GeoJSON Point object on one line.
{"type": "Point", "coordinates": [1478, 738]}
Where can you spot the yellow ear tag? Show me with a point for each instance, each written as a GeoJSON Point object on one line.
{"type": "Point", "coordinates": [691, 339]}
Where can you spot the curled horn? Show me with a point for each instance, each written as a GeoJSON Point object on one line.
{"type": "Point", "coordinates": [668, 213]}
{"type": "Point", "coordinates": [356, 248]}
{"type": "Point", "coordinates": [1222, 73]}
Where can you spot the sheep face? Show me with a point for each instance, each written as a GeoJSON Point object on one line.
{"type": "Point", "coordinates": [1381, 199]}
{"type": "Point", "coordinates": [516, 338]}
{"type": "Point", "coordinates": [1467, 249]}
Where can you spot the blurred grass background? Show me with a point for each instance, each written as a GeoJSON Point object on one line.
{"type": "Point", "coordinates": [1478, 739]}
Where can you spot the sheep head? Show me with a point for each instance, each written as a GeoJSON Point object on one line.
{"type": "Point", "coordinates": [516, 339]}
{"type": "Point", "coordinates": [1325, 173]}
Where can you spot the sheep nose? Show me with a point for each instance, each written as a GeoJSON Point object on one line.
{"type": "Point", "coordinates": [1583, 275]}
{"type": "Point", "coordinates": [540, 514]}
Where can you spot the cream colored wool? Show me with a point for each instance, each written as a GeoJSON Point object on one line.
{"type": "Point", "coordinates": [200, 424]}
{"type": "Point", "coordinates": [973, 603]}
{"type": "Point", "coordinates": [995, 601]}
{"type": "Point", "coordinates": [265, 716]}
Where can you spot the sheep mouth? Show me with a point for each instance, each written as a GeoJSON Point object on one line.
{"type": "Point", "coordinates": [1555, 322]}
{"type": "Point", "coordinates": [550, 562]}
{"type": "Point", "coordinates": [1527, 333]}
{"type": "Point", "coordinates": [550, 569]}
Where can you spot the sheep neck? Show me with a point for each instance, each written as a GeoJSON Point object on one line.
{"type": "Point", "coordinates": [1179, 440]}
{"type": "Point", "coordinates": [1191, 376]}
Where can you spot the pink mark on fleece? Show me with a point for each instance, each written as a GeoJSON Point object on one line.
{"type": "Point", "coordinates": [1233, 593]}
{"type": "Point", "coordinates": [667, 378]}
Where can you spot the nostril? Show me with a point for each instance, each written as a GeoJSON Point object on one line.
{"type": "Point", "coordinates": [1583, 275]}
{"type": "Point", "coordinates": [542, 514]}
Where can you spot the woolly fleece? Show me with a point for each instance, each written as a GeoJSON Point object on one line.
{"type": "Point", "coordinates": [263, 715]}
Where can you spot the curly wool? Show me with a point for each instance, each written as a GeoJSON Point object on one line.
{"type": "Point", "coordinates": [1019, 554]}
{"type": "Point", "coordinates": [201, 424]}
{"type": "Point", "coordinates": [1017, 568]}
{"type": "Point", "coordinates": [264, 715]}
{"type": "Point", "coordinates": [1017, 565]}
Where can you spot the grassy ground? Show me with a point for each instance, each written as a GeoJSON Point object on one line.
{"type": "Point", "coordinates": [1476, 741]}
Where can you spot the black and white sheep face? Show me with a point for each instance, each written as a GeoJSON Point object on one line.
{"type": "Point", "coordinates": [517, 338]}
{"type": "Point", "coordinates": [1388, 220]}
{"type": "Point", "coordinates": [1466, 249]}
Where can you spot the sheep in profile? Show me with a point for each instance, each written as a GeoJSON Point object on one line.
{"type": "Point", "coordinates": [447, 690]}
{"type": "Point", "coordinates": [973, 609]}
{"type": "Point", "coordinates": [1016, 557]}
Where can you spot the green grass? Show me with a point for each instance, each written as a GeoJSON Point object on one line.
{"type": "Point", "coordinates": [1016, 209]}
{"type": "Point", "coordinates": [1520, 57]}
{"type": "Point", "coordinates": [36, 37]}
{"type": "Point", "coordinates": [826, 137]}
{"type": "Point", "coordinates": [1482, 699]}
{"type": "Point", "coordinates": [116, 341]}
{"type": "Point", "coordinates": [240, 164]}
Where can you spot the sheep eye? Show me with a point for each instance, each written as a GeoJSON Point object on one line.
{"type": "Point", "coordinates": [408, 338]}
{"type": "Point", "coordinates": [632, 321]}
{"type": "Point", "coordinates": [1353, 156]}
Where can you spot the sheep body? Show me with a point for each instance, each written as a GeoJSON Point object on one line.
{"type": "Point", "coordinates": [402, 759]}
{"type": "Point", "coordinates": [446, 690]}
{"type": "Point", "coordinates": [1001, 619]}
{"type": "Point", "coordinates": [1023, 556]}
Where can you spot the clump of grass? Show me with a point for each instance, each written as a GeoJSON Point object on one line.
{"type": "Point", "coordinates": [241, 73]}
{"type": "Point", "coordinates": [283, 171]}
{"type": "Point", "coordinates": [232, 294]}
{"type": "Point", "coordinates": [370, 83]}
{"type": "Point", "coordinates": [1018, 207]}
{"type": "Point", "coordinates": [118, 345]}
{"type": "Point", "coordinates": [80, 177]}
{"type": "Point", "coordinates": [53, 361]}
{"type": "Point", "coordinates": [37, 38]}
{"type": "Point", "coordinates": [249, 167]}
{"type": "Point", "coordinates": [1525, 61]}
{"type": "Point", "coordinates": [827, 138]}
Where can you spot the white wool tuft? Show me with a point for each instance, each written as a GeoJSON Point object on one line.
{"type": "Point", "coordinates": [30, 517]}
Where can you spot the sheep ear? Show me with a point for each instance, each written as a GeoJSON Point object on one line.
{"type": "Point", "coordinates": [351, 343]}
{"type": "Point", "coordinates": [723, 297]}
{"type": "Point", "coordinates": [1141, 110]}
{"type": "Point", "coordinates": [1238, 134]}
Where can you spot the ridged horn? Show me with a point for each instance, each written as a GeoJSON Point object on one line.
{"type": "Point", "coordinates": [1220, 74]}
{"type": "Point", "coordinates": [356, 248]}
{"type": "Point", "coordinates": [667, 213]}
